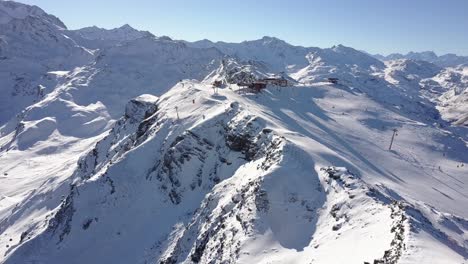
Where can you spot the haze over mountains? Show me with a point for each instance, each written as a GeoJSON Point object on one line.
{"type": "Point", "coordinates": [115, 147]}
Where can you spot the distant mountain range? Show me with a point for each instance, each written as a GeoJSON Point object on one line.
{"type": "Point", "coordinates": [447, 60]}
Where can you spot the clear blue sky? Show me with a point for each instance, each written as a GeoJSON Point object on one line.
{"type": "Point", "coordinates": [377, 26]}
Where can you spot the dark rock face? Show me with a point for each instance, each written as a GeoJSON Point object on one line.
{"type": "Point", "coordinates": [332, 172]}
{"type": "Point", "coordinates": [240, 133]}
{"type": "Point", "coordinates": [186, 148]}
{"type": "Point", "coordinates": [62, 219]}
{"type": "Point", "coordinates": [213, 236]}
{"type": "Point", "coordinates": [241, 143]}
{"type": "Point", "coordinates": [261, 200]}
{"type": "Point", "coordinates": [140, 108]}
{"type": "Point", "coordinates": [397, 246]}
{"type": "Point", "coordinates": [128, 131]}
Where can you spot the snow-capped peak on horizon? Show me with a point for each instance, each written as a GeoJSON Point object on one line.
{"type": "Point", "coordinates": [124, 27]}
{"type": "Point", "coordinates": [343, 55]}
{"type": "Point", "coordinates": [97, 38]}
{"type": "Point", "coordinates": [122, 33]}
{"type": "Point", "coordinates": [127, 26]}
{"type": "Point", "coordinates": [265, 40]}
{"type": "Point", "coordinates": [268, 40]}
{"type": "Point", "coordinates": [445, 60]}
{"type": "Point", "coordinates": [10, 10]}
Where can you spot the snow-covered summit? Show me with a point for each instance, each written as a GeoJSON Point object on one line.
{"type": "Point", "coordinates": [450, 89]}
{"type": "Point", "coordinates": [95, 37]}
{"type": "Point", "coordinates": [411, 70]}
{"type": "Point", "coordinates": [123, 33]}
{"type": "Point", "coordinates": [10, 10]}
{"type": "Point", "coordinates": [277, 54]}
{"type": "Point", "coordinates": [231, 71]}
{"type": "Point", "coordinates": [446, 60]}
{"type": "Point", "coordinates": [340, 55]}
{"type": "Point", "coordinates": [341, 62]}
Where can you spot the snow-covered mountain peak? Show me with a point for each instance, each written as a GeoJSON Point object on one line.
{"type": "Point", "coordinates": [10, 10]}
{"type": "Point", "coordinates": [447, 60]}
{"type": "Point", "coordinates": [123, 33]}
{"type": "Point", "coordinates": [160, 49]}
{"type": "Point", "coordinates": [204, 43]}
{"type": "Point", "coordinates": [267, 40]}
{"type": "Point", "coordinates": [32, 43]}
{"type": "Point", "coordinates": [450, 87]}
{"type": "Point", "coordinates": [273, 43]}
{"type": "Point", "coordinates": [340, 47]}
{"type": "Point", "coordinates": [99, 38]}
{"type": "Point", "coordinates": [232, 71]}
{"type": "Point", "coordinates": [420, 68]}
{"type": "Point", "coordinates": [343, 55]}
{"type": "Point", "coordinates": [127, 27]}
{"type": "Point", "coordinates": [167, 38]}
{"type": "Point", "coordinates": [424, 55]}
{"type": "Point", "coordinates": [275, 53]}
{"type": "Point", "coordinates": [338, 62]}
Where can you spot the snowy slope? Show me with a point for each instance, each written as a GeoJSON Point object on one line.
{"type": "Point", "coordinates": [245, 178]}
{"type": "Point", "coordinates": [445, 88]}
{"type": "Point", "coordinates": [451, 91]}
{"type": "Point", "coordinates": [86, 103]}
{"type": "Point", "coordinates": [127, 154]}
{"type": "Point", "coordinates": [32, 43]}
{"type": "Point", "coordinates": [401, 78]}
{"type": "Point", "coordinates": [145, 65]}
{"type": "Point", "coordinates": [10, 10]}
{"type": "Point", "coordinates": [93, 95]}
{"type": "Point", "coordinates": [338, 61]}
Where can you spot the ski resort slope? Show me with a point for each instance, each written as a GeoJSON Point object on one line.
{"type": "Point", "coordinates": [236, 177]}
